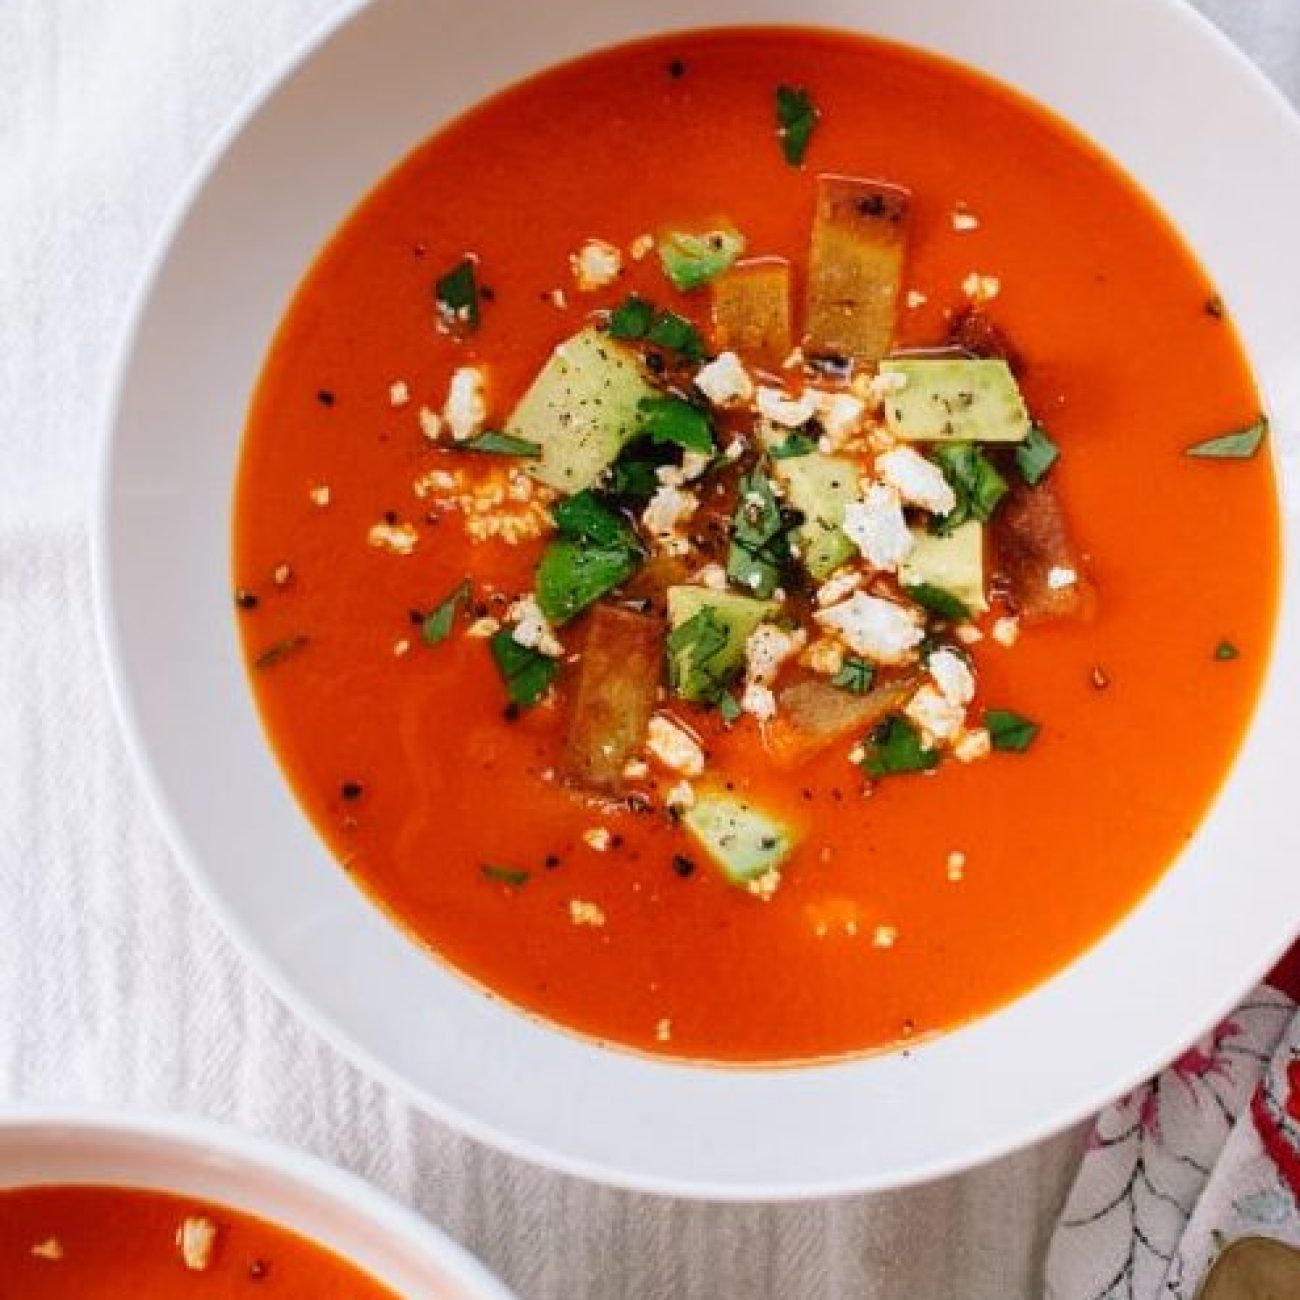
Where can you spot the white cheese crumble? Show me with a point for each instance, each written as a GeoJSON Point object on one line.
{"type": "Point", "coordinates": [531, 627]}
{"type": "Point", "coordinates": [51, 1248]}
{"type": "Point", "coordinates": [712, 576]}
{"type": "Point", "coordinates": [952, 675]}
{"type": "Point", "coordinates": [758, 701]}
{"type": "Point", "coordinates": [788, 412]}
{"type": "Point", "coordinates": [430, 423]}
{"type": "Point", "coordinates": [398, 393]}
{"type": "Point", "coordinates": [839, 585]}
{"type": "Point", "coordinates": [920, 482]}
{"type": "Point", "coordinates": [767, 648]}
{"type": "Point", "coordinates": [664, 1031]}
{"type": "Point", "coordinates": [877, 526]}
{"type": "Point", "coordinates": [938, 717]}
{"type": "Point", "coordinates": [1006, 631]}
{"type": "Point", "coordinates": [597, 839]}
{"type": "Point", "coordinates": [481, 629]}
{"type": "Point", "coordinates": [884, 936]}
{"type": "Point", "coordinates": [636, 769]}
{"type": "Point", "coordinates": [872, 626]}
{"type": "Point", "coordinates": [915, 299]}
{"type": "Point", "coordinates": [764, 887]}
{"type": "Point", "coordinates": [981, 288]}
{"type": "Point", "coordinates": [666, 512]}
{"type": "Point", "coordinates": [399, 539]}
{"type": "Point", "coordinates": [320, 495]}
{"type": "Point", "coordinates": [840, 416]}
{"type": "Point", "coordinates": [956, 865]}
{"type": "Point", "coordinates": [674, 747]}
{"type": "Point", "coordinates": [680, 796]}
{"type": "Point", "coordinates": [824, 656]}
{"type": "Point", "coordinates": [466, 407]}
{"type": "Point", "coordinates": [595, 265]}
{"type": "Point", "coordinates": [973, 745]}
{"type": "Point", "coordinates": [964, 221]}
{"type": "Point", "coordinates": [693, 466]}
{"type": "Point", "coordinates": [969, 634]}
{"type": "Point", "coordinates": [1059, 578]}
{"type": "Point", "coordinates": [582, 912]}
{"type": "Point", "coordinates": [725, 381]}
{"type": "Point", "coordinates": [196, 1239]}
{"type": "Point", "coordinates": [641, 247]}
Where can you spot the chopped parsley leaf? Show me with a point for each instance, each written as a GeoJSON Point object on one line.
{"type": "Point", "coordinates": [1241, 445]}
{"type": "Point", "coordinates": [1036, 455]}
{"type": "Point", "coordinates": [729, 709]}
{"type": "Point", "coordinates": [676, 334]}
{"type": "Point", "coordinates": [855, 676]}
{"type": "Point", "coordinates": [457, 296]}
{"type": "Point", "coordinates": [574, 574]}
{"type": "Point", "coordinates": [494, 443]}
{"type": "Point", "coordinates": [975, 481]}
{"type": "Point", "coordinates": [511, 876]}
{"type": "Point", "coordinates": [674, 420]}
{"type": "Point", "coordinates": [437, 626]}
{"type": "Point", "coordinates": [760, 546]}
{"type": "Point", "coordinates": [280, 651]}
{"type": "Point", "coordinates": [938, 601]}
{"type": "Point", "coordinates": [1225, 651]}
{"type": "Point", "coordinates": [586, 518]}
{"type": "Point", "coordinates": [692, 648]}
{"type": "Point", "coordinates": [797, 444]}
{"type": "Point", "coordinates": [895, 748]}
{"type": "Point", "coordinates": [632, 318]}
{"type": "Point", "coordinates": [796, 119]}
{"type": "Point", "coordinates": [1009, 731]}
{"type": "Point", "coordinates": [527, 673]}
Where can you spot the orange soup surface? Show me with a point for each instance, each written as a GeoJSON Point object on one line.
{"type": "Point", "coordinates": [110, 1243]}
{"type": "Point", "coordinates": [863, 782]}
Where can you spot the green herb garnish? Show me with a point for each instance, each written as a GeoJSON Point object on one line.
{"type": "Point", "coordinates": [495, 443]}
{"type": "Point", "coordinates": [855, 676]}
{"type": "Point", "coordinates": [760, 545]}
{"type": "Point", "coordinates": [1225, 651]}
{"type": "Point", "coordinates": [280, 651]}
{"type": "Point", "coordinates": [729, 709]}
{"type": "Point", "coordinates": [633, 478]}
{"type": "Point", "coordinates": [975, 481]}
{"type": "Point", "coordinates": [674, 420]}
{"type": "Point", "coordinates": [692, 648]}
{"type": "Point", "coordinates": [797, 444]}
{"type": "Point", "coordinates": [511, 876]}
{"type": "Point", "coordinates": [676, 334]}
{"type": "Point", "coordinates": [437, 625]}
{"type": "Point", "coordinates": [1241, 445]}
{"type": "Point", "coordinates": [527, 673]}
{"type": "Point", "coordinates": [796, 119]}
{"type": "Point", "coordinates": [457, 296]}
{"type": "Point", "coordinates": [1036, 455]}
{"type": "Point", "coordinates": [586, 518]}
{"type": "Point", "coordinates": [632, 318]}
{"type": "Point", "coordinates": [938, 601]}
{"type": "Point", "coordinates": [691, 259]}
{"type": "Point", "coordinates": [895, 748]}
{"type": "Point", "coordinates": [573, 575]}
{"type": "Point", "coordinates": [1009, 731]}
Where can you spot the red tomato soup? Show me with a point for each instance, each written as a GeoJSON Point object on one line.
{"type": "Point", "coordinates": [109, 1243]}
{"type": "Point", "coordinates": [756, 546]}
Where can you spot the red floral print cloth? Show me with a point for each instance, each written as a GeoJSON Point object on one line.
{"type": "Point", "coordinates": [1207, 1152]}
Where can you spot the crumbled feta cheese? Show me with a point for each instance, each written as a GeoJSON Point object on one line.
{"type": "Point", "coordinates": [636, 769]}
{"type": "Point", "coordinates": [886, 384]}
{"type": "Point", "coordinates": [938, 717]}
{"type": "Point", "coordinates": [1006, 631]}
{"type": "Point", "coordinates": [973, 745]}
{"type": "Point", "coordinates": [481, 629]}
{"type": "Point", "coordinates": [51, 1248]}
{"type": "Point", "coordinates": [558, 299]}
{"type": "Point", "coordinates": [582, 912]}
{"type": "Point", "coordinates": [956, 865]}
{"type": "Point", "coordinates": [430, 424]}
{"type": "Point", "coordinates": [531, 627]}
{"type": "Point", "coordinates": [674, 746]}
{"type": "Point", "coordinates": [664, 1031]}
{"type": "Point", "coordinates": [196, 1239]}
{"type": "Point", "coordinates": [877, 526]}
{"type": "Point", "coordinates": [758, 701]}
{"type": "Point", "coordinates": [964, 221]}
{"type": "Point", "coordinates": [734, 450]}
{"type": "Point", "coordinates": [766, 885]}
{"type": "Point", "coordinates": [767, 648]}
{"type": "Point", "coordinates": [320, 495]}
{"type": "Point", "coordinates": [872, 626]}
{"type": "Point", "coordinates": [952, 675]}
{"type": "Point", "coordinates": [919, 482]}
{"type": "Point", "coordinates": [725, 381]}
{"type": "Point", "coordinates": [398, 394]}
{"type": "Point", "coordinates": [641, 247]}
{"type": "Point", "coordinates": [981, 288]}
{"type": "Point", "coordinates": [1059, 578]}
{"type": "Point", "coordinates": [598, 839]}
{"type": "Point", "coordinates": [402, 647]}
{"type": "Point", "coordinates": [282, 576]}
{"type": "Point", "coordinates": [884, 936]}
{"type": "Point", "coordinates": [712, 576]}
{"type": "Point", "coordinates": [824, 656]}
{"type": "Point", "coordinates": [693, 465]}
{"type": "Point", "coordinates": [788, 412]}
{"type": "Point", "coordinates": [968, 634]}
{"type": "Point", "coordinates": [839, 585]}
{"type": "Point", "coordinates": [596, 264]}
{"type": "Point", "coordinates": [680, 796]}
{"type": "Point", "coordinates": [840, 416]}
{"type": "Point", "coordinates": [466, 407]}
{"type": "Point", "coordinates": [399, 539]}
{"type": "Point", "coordinates": [915, 299]}
{"type": "Point", "coordinates": [666, 511]}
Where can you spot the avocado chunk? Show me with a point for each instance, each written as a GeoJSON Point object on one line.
{"type": "Point", "coordinates": [955, 401]}
{"type": "Point", "coordinates": [706, 639]}
{"type": "Point", "coordinates": [744, 842]}
{"type": "Point", "coordinates": [953, 562]}
{"type": "Point", "coordinates": [820, 487]}
{"type": "Point", "coordinates": [581, 410]}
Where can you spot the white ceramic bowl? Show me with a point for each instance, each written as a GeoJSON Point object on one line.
{"type": "Point", "coordinates": [221, 1166]}
{"type": "Point", "coordinates": [1148, 80]}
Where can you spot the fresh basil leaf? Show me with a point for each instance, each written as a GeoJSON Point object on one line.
{"type": "Point", "coordinates": [692, 259]}
{"type": "Point", "coordinates": [527, 673]}
{"type": "Point", "coordinates": [280, 651]}
{"type": "Point", "coordinates": [692, 648]}
{"type": "Point", "coordinates": [1036, 455]}
{"type": "Point", "coordinates": [511, 876]}
{"type": "Point", "coordinates": [1241, 445]}
{"type": "Point", "coordinates": [855, 676]}
{"type": "Point", "coordinates": [584, 517]}
{"type": "Point", "coordinates": [894, 748]}
{"type": "Point", "coordinates": [494, 443]}
{"type": "Point", "coordinates": [760, 546]}
{"type": "Point", "coordinates": [632, 318]}
{"type": "Point", "coordinates": [1009, 731]}
{"type": "Point", "coordinates": [676, 334]}
{"type": "Point", "coordinates": [797, 444]}
{"type": "Point", "coordinates": [573, 575]}
{"type": "Point", "coordinates": [1225, 651]}
{"type": "Point", "coordinates": [729, 709]}
{"type": "Point", "coordinates": [938, 601]}
{"type": "Point", "coordinates": [437, 626]}
{"type": "Point", "coordinates": [796, 119]}
{"type": "Point", "coordinates": [673, 420]}
{"type": "Point", "coordinates": [457, 296]}
{"type": "Point", "coordinates": [975, 481]}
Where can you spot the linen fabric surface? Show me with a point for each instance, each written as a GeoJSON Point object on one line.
{"type": "Point", "coordinates": [115, 986]}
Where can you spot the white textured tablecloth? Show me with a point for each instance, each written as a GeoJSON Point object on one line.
{"type": "Point", "coordinates": [114, 984]}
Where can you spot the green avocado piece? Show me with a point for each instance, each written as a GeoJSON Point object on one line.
{"type": "Point", "coordinates": [743, 841]}
{"type": "Point", "coordinates": [955, 401]}
{"type": "Point", "coordinates": [820, 487]}
{"type": "Point", "coordinates": [953, 562]}
{"type": "Point", "coordinates": [706, 639]}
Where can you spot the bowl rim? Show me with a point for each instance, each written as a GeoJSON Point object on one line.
{"type": "Point", "coordinates": [203, 1136]}
{"type": "Point", "coordinates": [269, 969]}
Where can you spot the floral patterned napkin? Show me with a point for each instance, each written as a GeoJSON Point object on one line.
{"type": "Point", "coordinates": [1204, 1154]}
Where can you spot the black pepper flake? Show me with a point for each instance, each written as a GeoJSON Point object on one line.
{"type": "Point", "coordinates": [683, 866]}
{"type": "Point", "coordinates": [351, 790]}
{"type": "Point", "coordinates": [1214, 307]}
{"type": "Point", "coordinates": [676, 69]}
{"type": "Point", "coordinates": [390, 516]}
{"type": "Point", "coordinates": [551, 861]}
{"type": "Point", "coordinates": [655, 363]}
{"type": "Point", "coordinates": [511, 712]}
{"type": "Point", "coordinates": [245, 599]}
{"type": "Point", "coordinates": [1100, 678]}
{"type": "Point", "coordinates": [325, 397]}
{"type": "Point", "coordinates": [258, 1270]}
{"type": "Point", "coordinates": [417, 616]}
{"type": "Point", "coordinates": [807, 794]}
{"type": "Point", "coordinates": [616, 842]}
{"type": "Point", "coordinates": [487, 293]}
